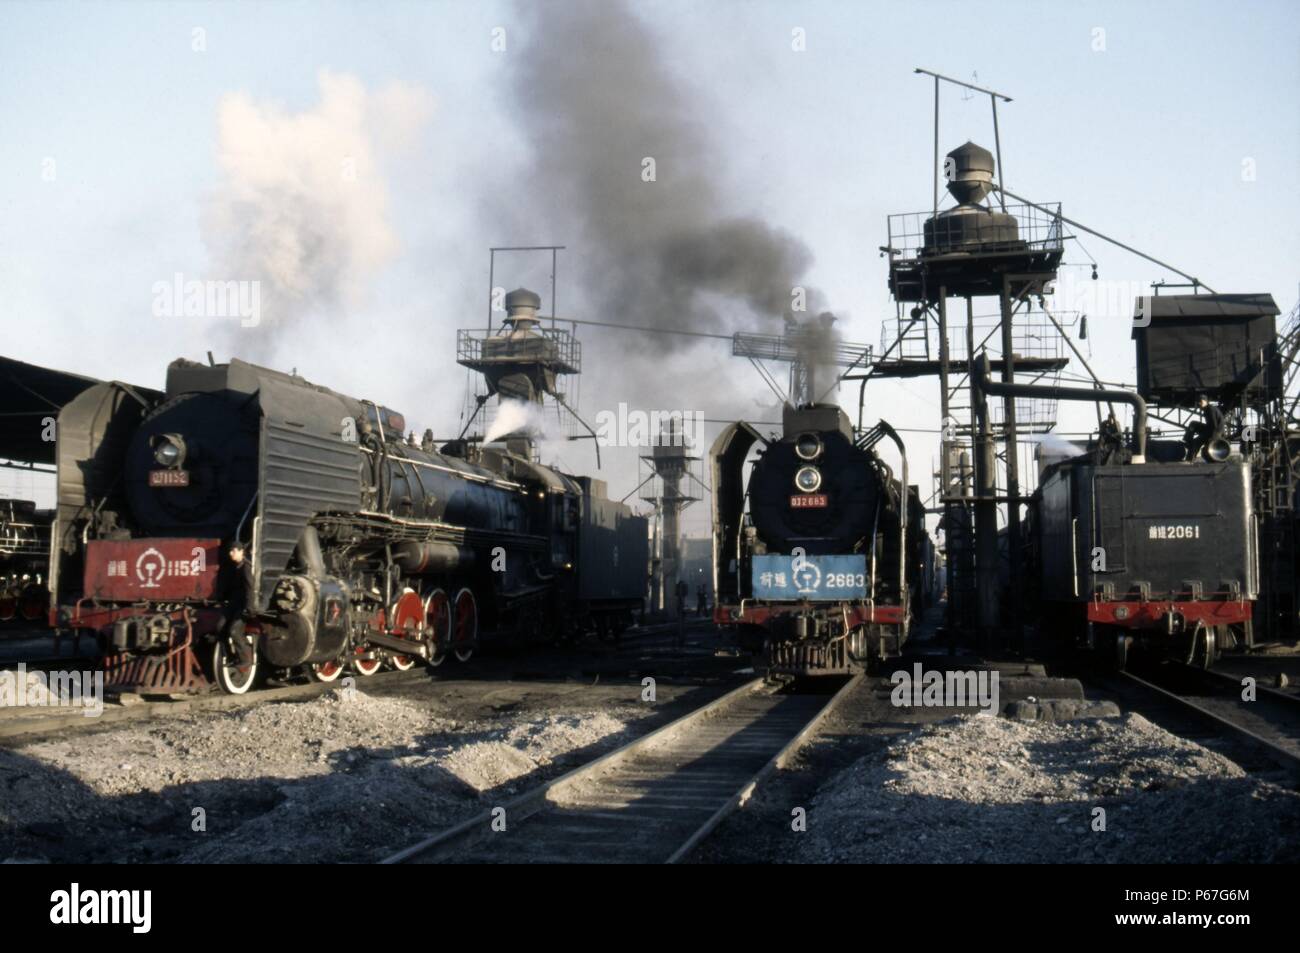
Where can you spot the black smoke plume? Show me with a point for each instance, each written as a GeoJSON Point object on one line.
{"type": "Point", "coordinates": [596, 96]}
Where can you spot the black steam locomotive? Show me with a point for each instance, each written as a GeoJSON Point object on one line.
{"type": "Point", "coordinates": [1162, 556]}
{"type": "Point", "coordinates": [24, 560]}
{"type": "Point", "coordinates": [361, 547]}
{"type": "Point", "coordinates": [820, 557]}
{"type": "Point", "coordinates": [1159, 548]}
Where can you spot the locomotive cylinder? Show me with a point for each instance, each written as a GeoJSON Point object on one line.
{"type": "Point", "coordinates": [311, 622]}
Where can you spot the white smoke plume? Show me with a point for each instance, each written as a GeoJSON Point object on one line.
{"type": "Point", "coordinates": [519, 415]}
{"type": "Point", "coordinates": [302, 205]}
{"type": "Point", "coordinates": [1054, 445]}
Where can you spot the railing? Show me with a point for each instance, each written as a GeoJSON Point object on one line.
{"type": "Point", "coordinates": [799, 345]}
{"type": "Point", "coordinates": [1039, 229]}
{"type": "Point", "coordinates": [552, 345]}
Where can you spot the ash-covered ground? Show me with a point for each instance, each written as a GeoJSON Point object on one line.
{"type": "Point", "coordinates": [994, 790]}
{"type": "Point", "coordinates": [990, 789]}
{"type": "Point", "coordinates": [346, 776]}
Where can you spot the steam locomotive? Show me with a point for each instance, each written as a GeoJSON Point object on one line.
{"type": "Point", "coordinates": [24, 559]}
{"type": "Point", "coordinates": [1161, 556]}
{"type": "Point", "coordinates": [820, 558]}
{"type": "Point", "coordinates": [1158, 548]}
{"type": "Point", "coordinates": [362, 548]}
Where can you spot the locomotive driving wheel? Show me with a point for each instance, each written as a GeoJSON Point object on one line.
{"type": "Point", "coordinates": [408, 619]}
{"type": "Point", "coordinates": [32, 601]}
{"type": "Point", "coordinates": [464, 624]}
{"type": "Point", "coordinates": [437, 616]}
{"type": "Point", "coordinates": [327, 671]}
{"type": "Point", "coordinates": [1206, 640]}
{"type": "Point", "coordinates": [1123, 642]}
{"type": "Point", "coordinates": [231, 675]}
{"type": "Point", "coordinates": [365, 666]}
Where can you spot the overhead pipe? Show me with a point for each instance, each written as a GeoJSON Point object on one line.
{"type": "Point", "coordinates": [1003, 389]}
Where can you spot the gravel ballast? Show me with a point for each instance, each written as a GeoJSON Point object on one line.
{"type": "Point", "coordinates": [344, 777]}
{"type": "Point", "coordinates": [985, 789]}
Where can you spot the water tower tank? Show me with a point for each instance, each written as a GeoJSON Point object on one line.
{"type": "Point", "coordinates": [970, 227]}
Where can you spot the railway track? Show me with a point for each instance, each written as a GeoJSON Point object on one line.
{"type": "Point", "coordinates": [652, 800]}
{"type": "Point", "coordinates": [1269, 725]}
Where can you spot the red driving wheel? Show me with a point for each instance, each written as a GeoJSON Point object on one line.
{"type": "Point", "coordinates": [465, 624]}
{"type": "Point", "coordinates": [437, 616]}
{"type": "Point", "coordinates": [408, 619]}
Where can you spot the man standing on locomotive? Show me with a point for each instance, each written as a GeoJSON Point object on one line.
{"type": "Point", "coordinates": [1199, 434]}
{"type": "Point", "coordinates": [235, 590]}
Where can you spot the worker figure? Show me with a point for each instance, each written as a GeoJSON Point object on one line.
{"type": "Point", "coordinates": [701, 601]}
{"type": "Point", "coordinates": [1201, 433]}
{"type": "Point", "coordinates": [235, 592]}
{"type": "Point", "coordinates": [1111, 441]}
{"type": "Point", "coordinates": [680, 590]}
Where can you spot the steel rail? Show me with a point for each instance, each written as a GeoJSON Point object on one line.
{"type": "Point", "coordinates": [1286, 758]}
{"type": "Point", "coordinates": [475, 830]}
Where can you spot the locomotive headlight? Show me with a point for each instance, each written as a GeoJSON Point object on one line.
{"type": "Point", "coordinates": [808, 479]}
{"type": "Point", "coordinates": [808, 446]}
{"type": "Point", "coordinates": [169, 451]}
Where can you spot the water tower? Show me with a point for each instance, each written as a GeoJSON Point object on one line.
{"type": "Point", "coordinates": [976, 249]}
{"type": "Point", "coordinates": [671, 464]}
{"type": "Point", "coordinates": [520, 360]}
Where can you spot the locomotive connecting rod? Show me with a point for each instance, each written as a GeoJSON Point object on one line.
{"type": "Point", "coordinates": [1004, 389]}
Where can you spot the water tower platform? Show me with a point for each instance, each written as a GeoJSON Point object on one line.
{"type": "Point", "coordinates": [920, 263]}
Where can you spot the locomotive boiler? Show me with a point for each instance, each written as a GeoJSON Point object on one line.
{"type": "Point", "coordinates": [820, 554]}
{"type": "Point", "coordinates": [360, 548]}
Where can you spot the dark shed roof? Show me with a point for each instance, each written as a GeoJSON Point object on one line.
{"type": "Point", "coordinates": [28, 394]}
{"type": "Point", "coordinates": [1207, 306]}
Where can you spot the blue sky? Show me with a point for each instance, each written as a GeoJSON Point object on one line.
{"type": "Point", "coordinates": [1144, 139]}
